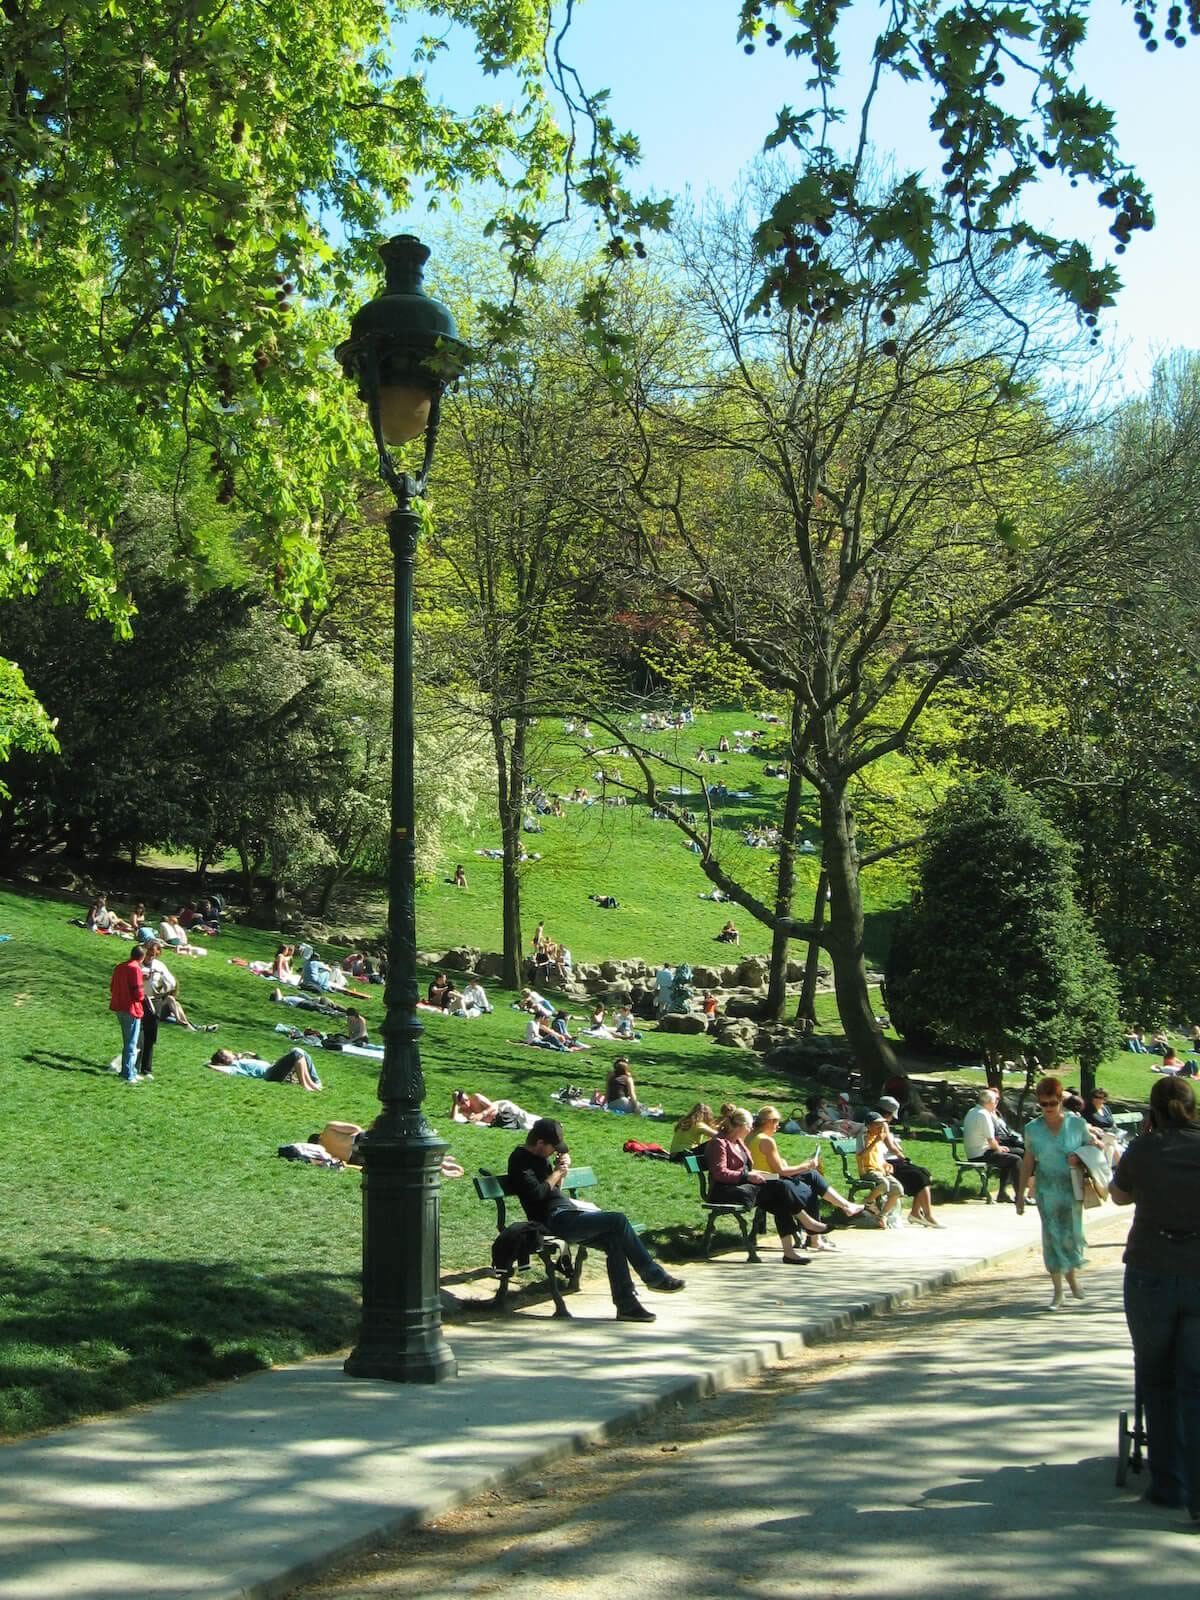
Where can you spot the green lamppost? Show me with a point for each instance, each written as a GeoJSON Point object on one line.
{"type": "Point", "coordinates": [402, 351]}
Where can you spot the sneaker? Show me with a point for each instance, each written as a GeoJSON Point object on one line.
{"type": "Point", "coordinates": [635, 1311]}
{"type": "Point", "coordinates": [133, 1080]}
{"type": "Point", "coordinates": [669, 1285]}
{"type": "Point", "coordinates": [211, 1027]}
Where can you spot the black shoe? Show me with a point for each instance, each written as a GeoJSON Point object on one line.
{"type": "Point", "coordinates": [635, 1311]}
{"type": "Point", "coordinates": [669, 1285]}
{"type": "Point", "coordinates": [1004, 1200]}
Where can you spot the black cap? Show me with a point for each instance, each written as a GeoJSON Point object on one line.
{"type": "Point", "coordinates": [546, 1131]}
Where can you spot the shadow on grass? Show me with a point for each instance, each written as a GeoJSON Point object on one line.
{"type": "Point", "coordinates": [59, 1062]}
{"type": "Point", "coordinates": [80, 1336]}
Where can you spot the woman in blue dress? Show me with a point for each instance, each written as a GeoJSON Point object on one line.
{"type": "Point", "coordinates": [1051, 1141]}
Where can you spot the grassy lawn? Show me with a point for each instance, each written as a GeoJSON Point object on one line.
{"type": "Point", "coordinates": [151, 1236]}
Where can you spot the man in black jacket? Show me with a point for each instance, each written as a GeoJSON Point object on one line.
{"type": "Point", "coordinates": [537, 1169]}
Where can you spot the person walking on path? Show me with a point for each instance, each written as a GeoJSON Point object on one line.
{"type": "Point", "coordinates": [1051, 1142]}
{"type": "Point", "coordinates": [1159, 1175]}
{"type": "Point", "coordinates": [537, 1183]}
{"type": "Point", "coordinates": [127, 995]}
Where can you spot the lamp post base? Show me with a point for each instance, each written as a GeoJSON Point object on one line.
{"type": "Point", "coordinates": [395, 1365]}
{"type": "Point", "coordinates": [401, 1338]}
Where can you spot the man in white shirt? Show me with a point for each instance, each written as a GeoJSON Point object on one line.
{"type": "Point", "coordinates": [980, 1142]}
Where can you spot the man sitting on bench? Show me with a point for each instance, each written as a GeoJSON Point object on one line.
{"type": "Point", "coordinates": [981, 1142]}
{"type": "Point", "coordinates": [537, 1183]}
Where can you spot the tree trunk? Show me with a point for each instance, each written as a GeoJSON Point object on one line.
{"type": "Point", "coordinates": [332, 877]}
{"type": "Point", "coordinates": [806, 1011]}
{"type": "Point", "coordinates": [873, 1054]}
{"type": "Point", "coordinates": [509, 796]}
{"type": "Point", "coordinates": [785, 879]}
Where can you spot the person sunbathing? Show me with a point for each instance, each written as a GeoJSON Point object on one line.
{"type": "Point", "coordinates": [539, 1031]}
{"type": "Point", "coordinates": [623, 1025]}
{"type": "Point", "coordinates": [620, 1092]}
{"type": "Point", "coordinates": [172, 933]}
{"type": "Point", "coordinates": [467, 1106]}
{"type": "Point", "coordinates": [597, 1027]}
{"type": "Point", "coordinates": [304, 1002]}
{"type": "Point", "coordinates": [296, 1066]}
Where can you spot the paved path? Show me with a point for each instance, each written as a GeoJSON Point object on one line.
{"type": "Point", "coordinates": [961, 1449]}
{"type": "Point", "coordinates": [245, 1489]}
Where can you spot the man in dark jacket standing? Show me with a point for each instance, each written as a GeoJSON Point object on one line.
{"type": "Point", "coordinates": [537, 1169]}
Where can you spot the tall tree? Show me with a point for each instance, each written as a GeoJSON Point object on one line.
{"type": "Point", "coordinates": [860, 508]}
{"type": "Point", "coordinates": [513, 590]}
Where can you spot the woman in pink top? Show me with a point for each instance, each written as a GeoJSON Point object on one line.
{"type": "Point", "coordinates": [731, 1179]}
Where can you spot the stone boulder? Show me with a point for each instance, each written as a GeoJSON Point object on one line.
{"type": "Point", "coordinates": [490, 964]}
{"type": "Point", "coordinates": [735, 1033]}
{"type": "Point", "coordinates": [753, 971]}
{"type": "Point", "coordinates": [743, 1006]}
{"type": "Point", "coordinates": [708, 977]}
{"type": "Point", "coordinates": [463, 959]}
{"type": "Point", "coordinates": [617, 994]}
{"type": "Point", "coordinates": [682, 1022]}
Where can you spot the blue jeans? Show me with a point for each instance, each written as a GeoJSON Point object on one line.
{"type": "Point", "coordinates": [612, 1232]}
{"type": "Point", "coordinates": [1163, 1313]}
{"type": "Point", "coordinates": [130, 1028]}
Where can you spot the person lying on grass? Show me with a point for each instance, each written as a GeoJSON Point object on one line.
{"type": "Point", "coordinates": [467, 1106]}
{"type": "Point", "coordinates": [304, 1002]}
{"type": "Point", "coordinates": [296, 1066]}
{"type": "Point", "coordinates": [343, 1140]}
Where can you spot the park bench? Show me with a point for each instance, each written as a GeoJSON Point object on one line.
{"type": "Point", "coordinates": [563, 1268]}
{"type": "Point", "coordinates": [1130, 1120]}
{"type": "Point", "coordinates": [951, 1134]}
{"type": "Point", "coordinates": [745, 1213]}
{"type": "Point", "coordinates": [845, 1147]}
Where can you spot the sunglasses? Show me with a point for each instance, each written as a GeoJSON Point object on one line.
{"type": "Point", "coordinates": [1056, 1101]}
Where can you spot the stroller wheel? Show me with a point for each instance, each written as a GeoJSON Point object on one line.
{"type": "Point", "coordinates": [1124, 1440]}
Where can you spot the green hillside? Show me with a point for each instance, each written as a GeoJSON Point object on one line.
{"type": "Point", "coordinates": [624, 851]}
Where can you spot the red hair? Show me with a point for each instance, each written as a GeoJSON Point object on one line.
{"type": "Point", "coordinates": [1049, 1086]}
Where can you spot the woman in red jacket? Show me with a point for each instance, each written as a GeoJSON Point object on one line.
{"type": "Point", "coordinates": [731, 1179]}
{"type": "Point", "coordinates": [127, 995]}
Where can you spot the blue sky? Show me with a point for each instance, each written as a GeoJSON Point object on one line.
{"type": "Point", "coordinates": [702, 108]}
